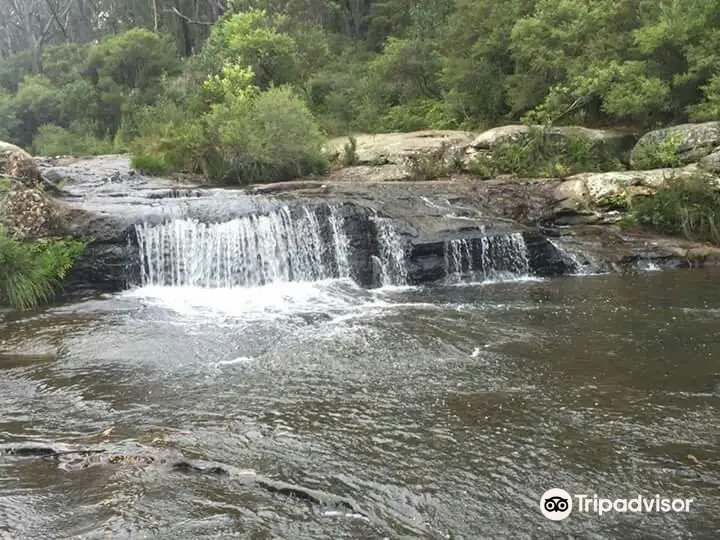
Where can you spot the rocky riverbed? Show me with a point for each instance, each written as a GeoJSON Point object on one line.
{"type": "Point", "coordinates": [567, 223]}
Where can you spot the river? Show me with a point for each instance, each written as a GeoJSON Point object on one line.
{"type": "Point", "coordinates": [439, 412]}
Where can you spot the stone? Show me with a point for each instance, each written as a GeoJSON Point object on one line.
{"type": "Point", "coordinates": [711, 163]}
{"type": "Point", "coordinates": [394, 148]}
{"type": "Point", "coordinates": [29, 213]}
{"type": "Point", "coordinates": [677, 145]}
{"type": "Point", "coordinates": [592, 191]}
{"type": "Point", "coordinates": [618, 142]}
{"type": "Point", "coordinates": [17, 163]}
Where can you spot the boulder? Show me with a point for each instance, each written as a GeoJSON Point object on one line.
{"type": "Point", "coordinates": [676, 145]}
{"type": "Point", "coordinates": [395, 148]}
{"type": "Point", "coordinates": [591, 193]}
{"type": "Point", "coordinates": [617, 142]}
{"type": "Point", "coordinates": [711, 163]}
{"type": "Point", "coordinates": [29, 213]}
{"type": "Point", "coordinates": [16, 162]}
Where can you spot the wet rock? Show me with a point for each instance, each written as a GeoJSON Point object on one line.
{"type": "Point", "coordinates": [686, 143]}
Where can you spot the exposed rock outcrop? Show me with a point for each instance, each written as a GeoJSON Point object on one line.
{"type": "Point", "coordinates": [615, 141]}
{"type": "Point", "coordinates": [677, 145]}
{"type": "Point", "coordinates": [104, 199]}
{"type": "Point", "coordinates": [17, 163]}
{"type": "Point", "coordinates": [597, 197]}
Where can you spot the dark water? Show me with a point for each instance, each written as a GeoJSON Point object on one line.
{"type": "Point", "coordinates": [439, 413]}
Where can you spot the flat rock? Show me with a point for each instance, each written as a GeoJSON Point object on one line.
{"type": "Point", "coordinates": [394, 148]}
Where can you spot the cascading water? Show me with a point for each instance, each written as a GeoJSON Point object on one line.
{"type": "Point", "coordinates": [580, 266]}
{"type": "Point", "coordinates": [244, 252]}
{"type": "Point", "coordinates": [458, 258]}
{"type": "Point", "coordinates": [392, 257]}
{"type": "Point", "coordinates": [498, 257]}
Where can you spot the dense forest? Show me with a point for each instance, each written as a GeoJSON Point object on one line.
{"type": "Point", "coordinates": [250, 89]}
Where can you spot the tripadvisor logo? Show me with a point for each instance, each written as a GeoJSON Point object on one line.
{"type": "Point", "coordinates": [557, 504]}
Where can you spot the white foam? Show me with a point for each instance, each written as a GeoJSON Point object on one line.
{"type": "Point", "coordinates": [331, 297]}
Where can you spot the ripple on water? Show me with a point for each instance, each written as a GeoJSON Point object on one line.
{"type": "Point", "coordinates": [439, 412]}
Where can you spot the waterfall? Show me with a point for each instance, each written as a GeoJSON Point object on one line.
{"type": "Point", "coordinates": [579, 266]}
{"type": "Point", "coordinates": [499, 257]}
{"type": "Point", "coordinates": [244, 252]}
{"type": "Point", "coordinates": [392, 256]}
{"type": "Point", "coordinates": [458, 258]}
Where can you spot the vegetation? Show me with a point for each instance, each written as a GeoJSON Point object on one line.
{"type": "Point", "coordinates": [31, 272]}
{"type": "Point", "coordinates": [243, 90]}
{"type": "Point", "coordinates": [688, 207]}
{"type": "Point", "coordinates": [150, 165]}
{"type": "Point", "coordinates": [542, 154]}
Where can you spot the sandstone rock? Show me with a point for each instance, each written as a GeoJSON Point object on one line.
{"type": "Point", "coordinates": [614, 141]}
{"type": "Point", "coordinates": [593, 191]}
{"type": "Point", "coordinates": [16, 162]}
{"type": "Point", "coordinates": [711, 163]}
{"type": "Point", "coordinates": [29, 213]}
{"type": "Point", "coordinates": [684, 144]}
{"type": "Point", "coordinates": [395, 148]}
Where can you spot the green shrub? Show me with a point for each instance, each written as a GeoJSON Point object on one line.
{"type": "Point", "coordinates": [688, 207]}
{"type": "Point", "coordinates": [150, 165]}
{"type": "Point", "coordinates": [32, 272]}
{"type": "Point", "coordinates": [540, 154]}
{"type": "Point", "coordinates": [349, 155]}
{"type": "Point", "coordinates": [435, 164]}
{"type": "Point", "coordinates": [417, 115]}
{"type": "Point", "coordinates": [271, 136]}
{"type": "Point", "coordinates": [79, 140]}
{"type": "Point", "coordinates": [662, 154]}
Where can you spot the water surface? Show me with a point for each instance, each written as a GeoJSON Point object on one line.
{"type": "Point", "coordinates": [440, 412]}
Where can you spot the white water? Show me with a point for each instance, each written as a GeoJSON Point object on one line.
{"type": "Point", "coordinates": [492, 258]}
{"type": "Point", "coordinates": [392, 260]}
{"type": "Point", "coordinates": [244, 252]}
{"type": "Point", "coordinates": [588, 267]}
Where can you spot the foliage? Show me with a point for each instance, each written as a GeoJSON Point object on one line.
{"type": "Point", "coordinates": [252, 39]}
{"type": "Point", "coordinates": [52, 140]}
{"type": "Point", "coordinates": [150, 165]}
{"type": "Point", "coordinates": [543, 154]}
{"type": "Point", "coordinates": [688, 207]}
{"type": "Point", "coordinates": [270, 136]}
{"type": "Point", "coordinates": [709, 108]}
{"type": "Point", "coordinates": [663, 153]}
{"type": "Point", "coordinates": [134, 60]}
{"type": "Point", "coordinates": [31, 272]}
{"type": "Point", "coordinates": [434, 164]}
{"type": "Point", "coordinates": [350, 155]}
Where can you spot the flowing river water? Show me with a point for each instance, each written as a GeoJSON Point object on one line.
{"type": "Point", "coordinates": [443, 411]}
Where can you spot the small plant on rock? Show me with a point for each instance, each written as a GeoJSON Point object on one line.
{"type": "Point", "coordinates": [350, 156]}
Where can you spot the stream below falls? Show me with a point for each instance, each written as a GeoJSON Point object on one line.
{"type": "Point", "coordinates": [442, 411]}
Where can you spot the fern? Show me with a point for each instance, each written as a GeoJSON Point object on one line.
{"type": "Point", "coordinates": [32, 272]}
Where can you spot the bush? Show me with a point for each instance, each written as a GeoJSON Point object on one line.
{"type": "Point", "coordinates": [151, 165]}
{"type": "Point", "coordinates": [32, 272]}
{"type": "Point", "coordinates": [79, 140]}
{"type": "Point", "coordinates": [271, 136]}
{"type": "Point", "coordinates": [350, 155]}
{"type": "Point", "coordinates": [544, 155]}
{"type": "Point", "coordinates": [662, 154]}
{"type": "Point", "coordinates": [688, 207]}
{"type": "Point", "coordinates": [434, 164]}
